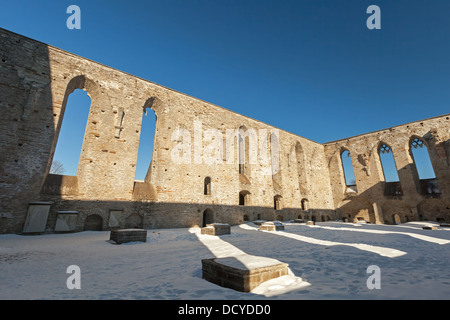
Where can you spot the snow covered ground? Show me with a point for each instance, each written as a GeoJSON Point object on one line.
{"type": "Point", "coordinates": [326, 261]}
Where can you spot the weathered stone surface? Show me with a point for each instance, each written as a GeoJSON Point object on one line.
{"type": "Point", "coordinates": [242, 273]}
{"type": "Point", "coordinates": [310, 223]}
{"type": "Point", "coordinates": [35, 83]}
{"type": "Point", "coordinates": [37, 217]}
{"type": "Point", "coordinates": [128, 235]}
{"type": "Point", "coordinates": [429, 228]}
{"type": "Point", "coordinates": [216, 229]}
{"type": "Point", "coordinates": [66, 221]}
{"type": "Point", "coordinates": [271, 226]}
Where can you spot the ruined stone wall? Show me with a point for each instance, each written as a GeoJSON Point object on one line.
{"type": "Point", "coordinates": [35, 83]}
{"type": "Point", "coordinates": [372, 202]}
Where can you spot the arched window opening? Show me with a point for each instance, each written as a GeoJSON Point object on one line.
{"type": "Point", "coordinates": [349, 174]}
{"type": "Point", "coordinates": [146, 145]}
{"type": "Point", "coordinates": [207, 186]}
{"type": "Point", "coordinates": [71, 134]}
{"type": "Point", "coordinates": [277, 202]}
{"type": "Point", "coordinates": [424, 168]}
{"type": "Point", "coordinates": [244, 198]}
{"type": "Point", "coordinates": [392, 186]}
{"type": "Point", "coordinates": [304, 204]}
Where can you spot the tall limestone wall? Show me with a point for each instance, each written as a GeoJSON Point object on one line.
{"type": "Point", "coordinates": [193, 140]}
{"type": "Point", "coordinates": [413, 198]}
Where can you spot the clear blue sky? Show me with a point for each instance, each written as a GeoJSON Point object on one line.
{"type": "Point", "coordinates": [310, 67]}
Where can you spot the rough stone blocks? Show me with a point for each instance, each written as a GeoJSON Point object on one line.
{"type": "Point", "coordinates": [216, 229]}
{"type": "Point", "coordinates": [271, 226]}
{"type": "Point", "coordinates": [128, 235]}
{"type": "Point", "coordinates": [242, 273]}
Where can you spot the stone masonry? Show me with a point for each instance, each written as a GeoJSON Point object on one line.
{"type": "Point", "coordinates": [36, 80]}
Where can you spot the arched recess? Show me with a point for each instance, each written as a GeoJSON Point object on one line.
{"type": "Point", "coordinates": [93, 222]}
{"type": "Point", "coordinates": [244, 197]}
{"type": "Point", "coordinates": [304, 204]}
{"type": "Point", "coordinates": [349, 174]}
{"type": "Point", "coordinates": [208, 217]}
{"type": "Point", "coordinates": [392, 185]}
{"type": "Point", "coordinates": [277, 202]}
{"type": "Point", "coordinates": [207, 186]}
{"type": "Point", "coordinates": [301, 169]}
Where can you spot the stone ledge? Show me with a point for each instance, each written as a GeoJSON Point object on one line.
{"type": "Point", "coordinates": [242, 273]}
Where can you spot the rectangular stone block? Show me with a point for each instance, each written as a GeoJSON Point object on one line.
{"type": "Point", "coordinates": [271, 226]}
{"type": "Point", "coordinates": [310, 223]}
{"type": "Point", "coordinates": [128, 235]}
{"type": "Point", "coordinates": [66, 221]}
{"type": "Point", "coordinates": [242, 273]}
{"type": "Point", "coordinates": [429, 228]}
{"type": "Point", "coordinates": [216, 229]}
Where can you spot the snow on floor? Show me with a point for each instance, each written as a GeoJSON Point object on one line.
{"type": "Point", "coordinates": [326, 261]}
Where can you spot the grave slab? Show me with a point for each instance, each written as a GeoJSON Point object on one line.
{"type": "Point", "coordinates": [216, 229]}
{"type": "Point", "coordinates": [128, 235]}
{"type": "Point", "coordinates": [243, 272]}
{"type": "Point", "coordinates": [271, 226]}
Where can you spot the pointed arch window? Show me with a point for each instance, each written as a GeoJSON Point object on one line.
{"type": "Point", "coordinates": [207, 186]}
{"type": "Point", "coordinates": [392, 186]}
{"type": "Point", "coordinates": [428, 184]}
{"type": "Point", "coordinates": [349, 174]}
{"type": "Point", "coordinates": [71, 135]}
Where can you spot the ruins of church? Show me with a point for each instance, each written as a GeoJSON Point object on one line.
{"type": "Point", "coordinates": [308, 181]}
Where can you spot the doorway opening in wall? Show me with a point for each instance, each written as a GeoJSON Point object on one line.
{"type": "Point", "coordinates": [208, 217]}
{"type": "Point", "coordinates": [71, 134]}
{"type": "Point", "coordinates": [146, 145]}
{"type": "Point", "coordinates": [243, 198]}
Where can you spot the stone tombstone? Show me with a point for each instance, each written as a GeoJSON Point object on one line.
{"type": "Point", "coordinates": [66, 221]}
{"type": "Point", "coordinates": [271, 226]}
{"type": "Point", "coordinates": [242, 273]}
{"type": "Point", "coordinates": [114, 218]}
{"type": "Point", "coordinates": [216, 229]}
{"type": "Point", "coordinates": [128, 235]}
{"type": "Point", "coordinates": [37, 217]}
